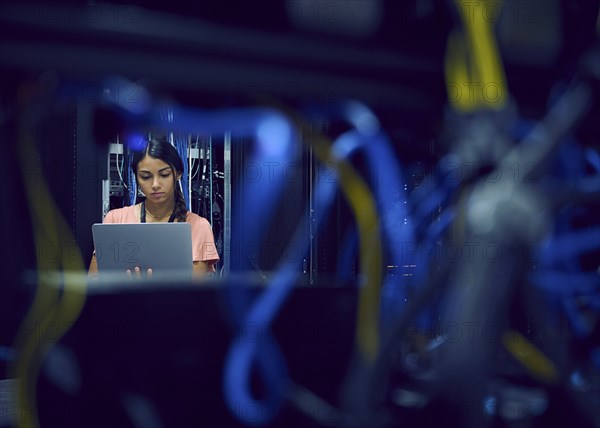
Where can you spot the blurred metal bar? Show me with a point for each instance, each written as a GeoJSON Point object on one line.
{"type": "Point", "coordinates": [191, 54]}
{"type": "Point", "coordinates": [227, 202]}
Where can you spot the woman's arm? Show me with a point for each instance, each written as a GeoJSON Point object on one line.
{"type": "Point", "coordinates": [93, 270]}
{"type": "Point", "coordinates": [200, 269]}
{"type": "Point", "coordinates": [204, 251]}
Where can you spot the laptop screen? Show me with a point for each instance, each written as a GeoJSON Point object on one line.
{"type": "Point", "coordinates": [164, 247]}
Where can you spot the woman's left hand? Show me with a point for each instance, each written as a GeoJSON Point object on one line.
{"type": "Point", "coordinates": [137, 273]}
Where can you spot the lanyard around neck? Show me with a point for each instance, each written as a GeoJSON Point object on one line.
{"type": "Point", "coordinates": [143, 214]}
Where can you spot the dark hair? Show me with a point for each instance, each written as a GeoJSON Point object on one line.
{"type": "Point", "coordinates": [160, 148]}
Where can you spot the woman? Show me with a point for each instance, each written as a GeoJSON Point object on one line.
{"type": "Point", "coordinates": [157, 170]}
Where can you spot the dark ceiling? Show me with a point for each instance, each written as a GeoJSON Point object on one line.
{"type": "Point", "coordinates": [388, 54]}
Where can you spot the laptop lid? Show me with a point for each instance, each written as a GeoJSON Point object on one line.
{"type": "Point", "coordinates": [164, 247]}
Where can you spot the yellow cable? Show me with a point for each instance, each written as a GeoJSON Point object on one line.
{"type": "Point", "coordinates": [482, 84]}
{"type": "Point", "coordinates": [485, 57]}
{"type": "Point", "coordinates": [363, 206]}
{"type": "Point", "coordinates": [51, 307]}
{"type": "Point", "coordinates": [538, 365]}
{"type": "Point", "coordinates": [457, 75]}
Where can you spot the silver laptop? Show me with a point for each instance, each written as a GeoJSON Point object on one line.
{"type": "Point", "coordinates": [164, 247]}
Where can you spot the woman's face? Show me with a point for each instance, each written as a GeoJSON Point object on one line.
{"type": "Point", "coordinates": [156, 181]}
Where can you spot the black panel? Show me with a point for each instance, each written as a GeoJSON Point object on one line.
{"type": "Point", "coordinates": [168, 345]}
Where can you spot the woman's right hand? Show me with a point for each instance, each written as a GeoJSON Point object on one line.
{"type": "Point", "coordinates": [137, 273]}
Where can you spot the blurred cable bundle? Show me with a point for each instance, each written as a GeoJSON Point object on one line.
{"type": "Point", "coordinates": [478, 284]}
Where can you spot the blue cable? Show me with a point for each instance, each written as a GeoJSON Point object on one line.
{"type": "Point", "coordinates": [7, 353]}
{"type": "Point", "coordinates": [275, 140]}
{"type": "Point", "coordinates": [569, 245]}
{"type": "Point", "coordinates": [268, 356]}
{"type": "Point", "coordinates": [131, 179]}
{"type": "Point", "coordinates": [263, 311]}
{"type": "Point", "coordinates": [560, 272]}
{"type": "Point", "coordinates": [593, 158]}
{"type": "Point", "coordinates": [392, 199]}
{"type": "Point", "coordinates": [432, 194]}
{"type": "Point", "coordinates": [390, 194]}
{"type": "Point", "coordinates": [272, 132]}
{"type": "Point", "coordinates": [181, 144]}
{"type": "Point", "coordinates": [566, 283]}
{"type": "Point", "coordinates": [596, 356]}
{"type": "Point", "coordinates": [426, 252]}
{"type": "Point", "coordinates": [580, 327]}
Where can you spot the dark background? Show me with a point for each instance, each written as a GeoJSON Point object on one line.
{"type": "Point", "coordinates": [242, 53]}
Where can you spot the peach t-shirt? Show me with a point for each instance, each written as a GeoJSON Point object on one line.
{"type": "Point", "coordinates": [203, 241]}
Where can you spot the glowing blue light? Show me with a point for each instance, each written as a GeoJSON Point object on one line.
{"type": "Point", "coordinates": [489, 404]}
{"type": "Point", "coordinates": [345, 144]}
{"type": "Point", "coordinates": [136, 142]}
{"type": "Point", "coordinates": [273, 134]}
{"type": "Point", "coordinates": [363, 119]}
{"type": "Point", "coordinates": [128, 95]}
